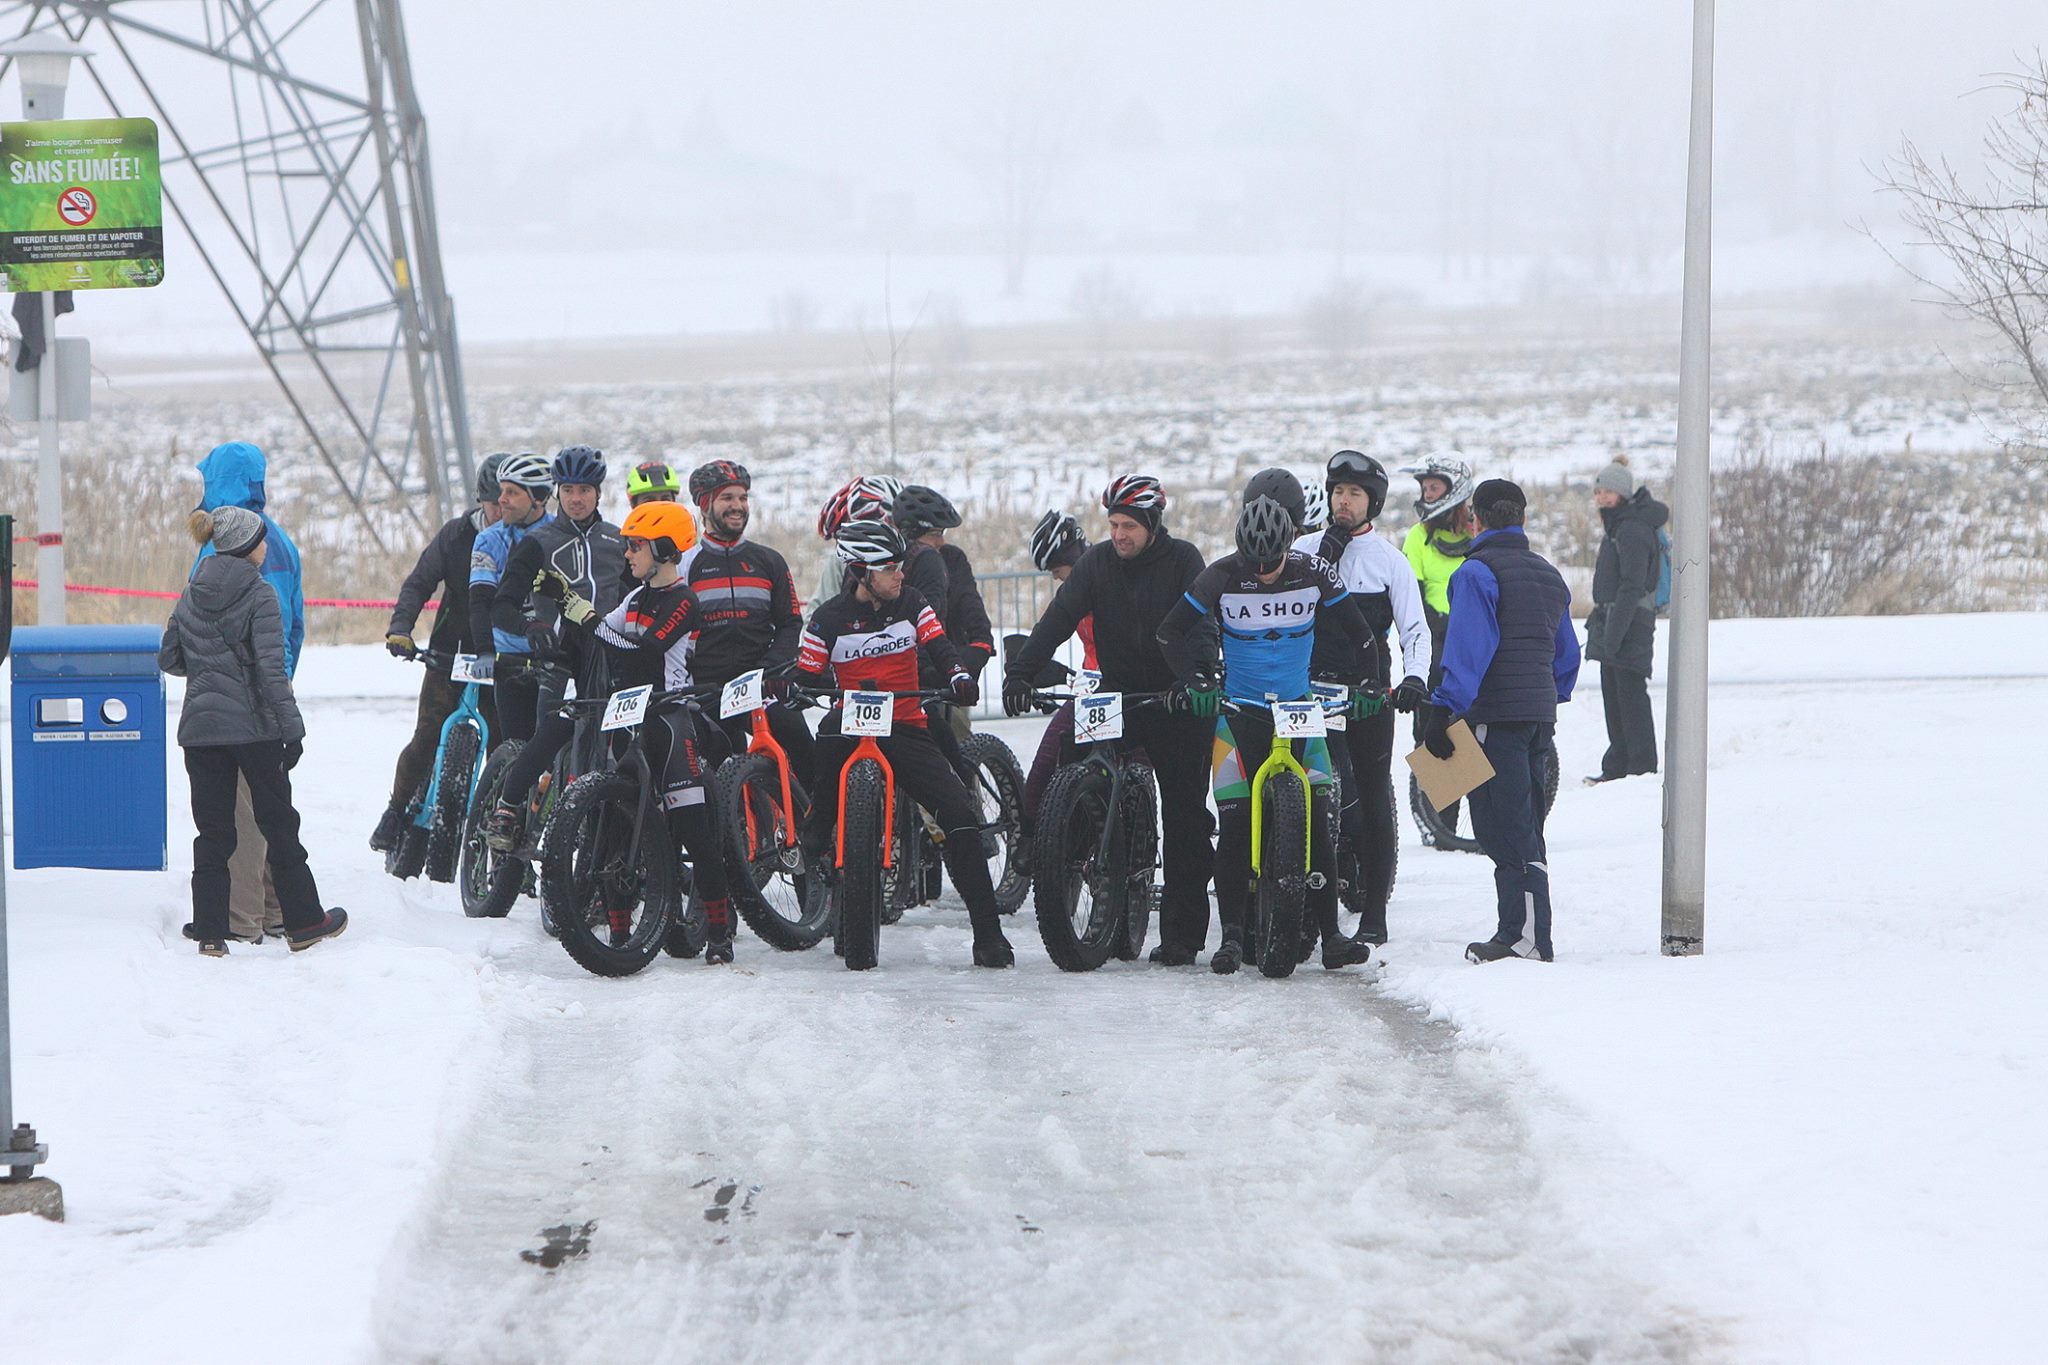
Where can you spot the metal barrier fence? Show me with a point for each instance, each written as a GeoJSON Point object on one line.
{"type": "Point", "coordinates": [1015, 601]}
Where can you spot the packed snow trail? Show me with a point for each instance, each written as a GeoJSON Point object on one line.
{"type": "Point", "coordinates": [788, 1161]}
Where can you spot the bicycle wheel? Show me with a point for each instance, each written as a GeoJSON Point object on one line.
{"type": "Point", "coordinates": [405, 858]}
{"type": "Point", "coordinates": [451, 803]}
{"type": "Point", "coordinates": [607, 874]}
{"type": "Point", "coordinates": [1437, 832]}
{"type": "Point", "coordinates": [1138, 857]}
{"type": "Point", "coordinates": [761, 837]}
{"type": "Point", "coordinates": [902, 885]}
{"type": "Point", "coordinates": [860, 880]}
{"type": "Point", "coordinates": [998, 792]}
{"type": "Point", "coordinates": [1282, 885]}
{"type": "Point", "coordinates": [489, 881]}
{"type": "Point", "coordinates": [1074, 891]}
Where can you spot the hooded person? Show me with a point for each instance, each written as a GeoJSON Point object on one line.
{"type": "Point", "coordinates": [1621, 630]}
{"type": "Point", "coordinates": [233, 474]}
{"type": "Point", "coordinates": [239, 724]}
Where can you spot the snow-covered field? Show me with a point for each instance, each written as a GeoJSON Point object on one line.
{"type": "Point", "coordinates": [1819, 1141]}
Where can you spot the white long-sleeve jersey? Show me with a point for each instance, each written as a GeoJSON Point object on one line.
{"type": "Point", "coordinates": [1372, 563]}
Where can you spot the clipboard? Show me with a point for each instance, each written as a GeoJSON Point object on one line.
{"type": "Point", "coordinates": [1444, 780]}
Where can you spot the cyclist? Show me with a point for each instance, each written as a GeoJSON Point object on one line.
{"type": "Point", "coordinates": [862, 498]}
{"type": "Point", "coordinates": [651, 481]}
{"type": "Point", "coordinates": [869, 636]}
{"type": "Point", "coordinates": [1381, 579]}
{"type": "Point", "coordinates": [1265, 604]}
{"type": "Point", "coordinates": [1057, 543]}
{"type": "Point", "coordinates": [525, 483]}
{"type": "Point", "coordinates": [588, 552]}
{"type": "Point", "coordinates": [444, 564]}
{"type": "Point", "coordinates": [1129, 584]}
{"type": "Point", "coordinates": [1436, 545]}
{"type": "Point", "coordinates": [747, 602]}
{"type": "Point", "coordinates": [924, 515]}
{"type": "Point", "coordinates": [648, 638]}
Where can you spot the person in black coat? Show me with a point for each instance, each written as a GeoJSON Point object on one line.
{"type": "Point", "coordinates": [1622, 628]}
{"type": "Point", "coordinates": [226, 638]}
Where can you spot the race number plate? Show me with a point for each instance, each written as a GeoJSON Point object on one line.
{"type": "Point", "coordinates": [741, 695]}
{"type": "Point", "coordinates": [868, 713]}
{"type": "Point", "coordinates": [471, 668]}
{"type": "Point", "coordinates": [627, 708]}
{"type": "Point", "coordinates": [1098, 717]}
{"type": "Point", "coordinates": [1087, 682]}
{"type": "Point", "coordinates": [1299, 720]}
{"type": "Point", "coordinates": [1336, 700]}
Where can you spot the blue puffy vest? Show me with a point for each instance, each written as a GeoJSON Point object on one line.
{"type": "Point", "coordinates": [1521, 684]}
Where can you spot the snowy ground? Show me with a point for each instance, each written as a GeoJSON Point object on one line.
{"type": "Point", "coordinates": [1819, 1141]}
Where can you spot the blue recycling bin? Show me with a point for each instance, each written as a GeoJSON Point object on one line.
{"type": "Point", "coordinates": [89, 747]}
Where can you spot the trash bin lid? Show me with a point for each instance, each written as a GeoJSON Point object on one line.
{"type": "Point", "coordinates": [86, 651]}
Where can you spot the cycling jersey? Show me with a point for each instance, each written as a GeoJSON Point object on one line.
{"type": "Point", "coordinates": [590, 554]}
{"type": "Point", "coordinates": [649, 634]}
{"type": "Point", "coordinates": [1369, 563]}
{"type": "Point", "coordinates": [875, 647]}
{"type": "Point", "coordinates": [748, 610]}
{"type": "Point", "coordinates": [487, 561]}
{"type": "Point", "coordinates": [1267, 630]}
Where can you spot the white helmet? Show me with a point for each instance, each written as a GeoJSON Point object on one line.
{"type": "Point", "coordinates": [1315, 511]}
{"type": "Point", "coordinates": [1449, 466]}
{"type": "Point", "coordinates": [530, 472]}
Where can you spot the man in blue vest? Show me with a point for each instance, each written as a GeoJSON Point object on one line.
{"type": "Point", "coordinates": [1510, 656]}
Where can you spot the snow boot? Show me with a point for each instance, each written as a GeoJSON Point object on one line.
{"type": "Point", "coordinates": [1166, 955]}
{"type": "Point", "coordinates": [212, 947]}
{"type": "Point", "coordinates": [1228, 958]}
{"type": "Point", "coordinates": [1493, 950]}
{"type": "Point", "coordinates": [1339, 951]}
{"type": "Point", "coordinates": [994, 951]}
{"type": "Point", "coordinates": [389, 826]}
{"type": "Point", "coordinates": [329, 925]}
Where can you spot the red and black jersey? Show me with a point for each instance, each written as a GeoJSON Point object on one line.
{"type": "Point", "coordinates": [649, 636]}
{"type": "Point", "coordinates": [747, 609]}
{"type": "Point", "coordinates": [874, 646]}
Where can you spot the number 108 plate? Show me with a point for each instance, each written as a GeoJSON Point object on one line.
{"type": "Point", "coordinates": [868, 713]}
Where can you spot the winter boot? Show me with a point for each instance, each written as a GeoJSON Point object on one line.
{"type": "Point", "coordinates": [1227, 958]}
{"type": "Point", "coordinates": [1339, 951]}
{"type": "Point", "coordinates": [212, 947]}
{"type": "Point", "coordinates": [389, 826]}
{"type": "Point", "coordinates": [994, 951]}
{"type": "Point", "coordinates": [329, 925]}
{"type": "Point", "coordinates": [1167, 955]}
{"type": "Point", "coordinates": [1493, 950]}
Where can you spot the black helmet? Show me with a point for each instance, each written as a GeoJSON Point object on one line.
{"type": "Point", "coordinates": [1282, 487]}
{"type": "Point", "coordinates": [487, 478]}
{"type": "Point", "coordinates": [1264, 531]}
{"type": "Point", "coordinates": [1055, 540]}
{"type": "Point", "coordinates": [1352, 466]}
{"type": "Point", "coordinates": [919, 509]}
{"type": "Point", "coordinates": [865, 545]}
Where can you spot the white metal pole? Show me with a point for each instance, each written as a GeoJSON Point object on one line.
{"type": "Point", "coordinates": [49, 482]}
{"type": "Point", "coordinates": [1685, 687]}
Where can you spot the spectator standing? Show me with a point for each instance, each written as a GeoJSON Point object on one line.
{"type": "Point", "coordinates": [1622, 629]}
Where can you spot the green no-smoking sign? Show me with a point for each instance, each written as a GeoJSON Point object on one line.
{"type": "Point", "coordinates": [81, 204]}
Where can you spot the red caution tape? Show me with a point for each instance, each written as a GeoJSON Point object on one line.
{"type": "Point", "coordinates": [365, 604]}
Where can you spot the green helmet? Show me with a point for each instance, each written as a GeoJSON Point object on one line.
{"type": "Point", "coordinates": [655, 476]}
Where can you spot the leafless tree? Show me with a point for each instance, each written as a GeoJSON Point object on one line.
{"type": "Point", "coordinates": [1988, 224]}
{"type": "Point", "coordinates": [887, 367]}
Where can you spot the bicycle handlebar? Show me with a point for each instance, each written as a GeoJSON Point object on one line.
{"type": "Point", "coordinates": [1051, 701]}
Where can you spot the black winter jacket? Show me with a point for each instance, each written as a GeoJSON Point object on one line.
{"type": "Point", "coordinates": [226, 639]}
{"type": "Point", "coordinates": [443, 564]}
{"type": "Point", "coordinates": [1129, 599]}
{"type": "Point", "coordinates": [965, 614]}
{"type": "Point", "coordinates": [1623, 624]}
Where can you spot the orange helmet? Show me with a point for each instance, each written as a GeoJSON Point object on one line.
{"type": "Point", "coordinates": [667, 527]}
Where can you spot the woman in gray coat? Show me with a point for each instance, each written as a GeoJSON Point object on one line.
{"type": "Point", "coordinates": [226, 639]}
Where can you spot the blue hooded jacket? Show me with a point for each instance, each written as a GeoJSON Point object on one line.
{"type": "Point", "coordinates": [234, 478]}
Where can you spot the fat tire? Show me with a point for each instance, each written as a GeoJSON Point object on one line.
{"type": "Point", "coordinates": [1140, 857]}
{"type": "Point", "coordinates": [406, 857]}
{"type": "Point", "coordinates": [451, 804]}
{"type": "Point", "coordinates": [860, 883]}
{"type": "Point", "coordinates": [1281, 892]}
{"type": "Point", "coordinates": [489, 881]}
{"type": "Point", "coordinates": [1071, 815]}
{"type": "Point", "coordinates": [582, 858]}
{"type": "Point", "coordinates": [1436, 833]}
{"type": "Point", "coordinates": [1001, 781]}
{"type": "Point", "coordinates": [758, 776]}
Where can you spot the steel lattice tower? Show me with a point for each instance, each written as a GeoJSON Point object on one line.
{"type": "Point", "coordinates": [305, 188]}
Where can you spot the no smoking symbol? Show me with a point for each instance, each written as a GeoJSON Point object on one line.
{"type": "Point", "coordinates": [76, 206]}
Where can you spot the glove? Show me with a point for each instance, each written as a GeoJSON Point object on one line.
{"type": "Point", "coordinates": [578, 611]}
{"type": "Point", "coordinates": [1016, 694]}
{"type": "Point", "coordinates": [1436, 735]}
{"type": "Point", "coordinates": [294, 750]}
{"type": "Point", "coordinates": [778, 687]}
{"type": "Point", "coordinates": [1200, 698]}
{"type": "Point", "coordinates": [552, 584]}
{"type": "Point", "coordinates": [540, 640]}
{"type": "Point", "coordinates": [401, 646]}
{"type": "Point", "coordinates": [1366, 702]}
{"type": "Point", "coordinates": [963, 688]}
{"type": "Point", "coordinates": [1411, 695]}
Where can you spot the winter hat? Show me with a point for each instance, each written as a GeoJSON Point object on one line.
{"type": "Point", "coordinates": [237, 531]}
{"type": "Point", "coordinates": [1499, 493]}
{"type": "Point", "coordinates": [1616, 478]}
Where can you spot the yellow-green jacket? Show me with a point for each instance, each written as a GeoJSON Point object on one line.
{"type": "Point", "coordinates": [1433, 567]}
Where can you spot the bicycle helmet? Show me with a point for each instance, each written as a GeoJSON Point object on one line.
{"type": "Point", "coordinates": [833, 514]}
{"type": "Point", "coordinates": [579, 464]}
{"type": "Point", "coordinates": [487, 478]}
{"type": "Point", "coordinates": [1139, 495]}
{"type": "Point", "coordinates": [1056, 540]}
{"type": "Point", "coordinates": [1449, 466]}
{"type": "Point", "coordinates": [529, 471]}
{"type": "Point", "coordinates": [707, 479]}
{"type": "Point", "coordinates": [1264, 531]}
{"type": "Point", "coordinates": [919, 509]}
{"type": "Point", "coordinates": [1315, 507]}
{"type": "Point", "coordinates": [667, 527]}
{"type": "Point", "coordinates": [652, 478]}
{"type": "Point", "coordinates": [1351, 466]}
{"type": "Point", "coordinates": [1279, 485]}
{"type": "Point", "coordinates": [870, 544]}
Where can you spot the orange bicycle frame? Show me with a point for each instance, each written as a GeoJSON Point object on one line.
{"type": "Point", "coordinates": [867, 748]}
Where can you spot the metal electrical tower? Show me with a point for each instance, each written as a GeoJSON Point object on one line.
{"type": "Point", "coordinates": [295, 159]}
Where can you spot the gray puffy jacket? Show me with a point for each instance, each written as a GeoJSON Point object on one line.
{"type": "Point", "coordinates": [226, 639]}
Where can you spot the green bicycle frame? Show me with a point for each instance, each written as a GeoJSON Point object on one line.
{"type": "Point", "coordinates": [1281, 759]}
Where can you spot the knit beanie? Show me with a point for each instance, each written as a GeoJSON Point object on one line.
{"type": "Point", "coordinates": [1616, 478]}
{"type": "Point", "coordinates": [237, 531]}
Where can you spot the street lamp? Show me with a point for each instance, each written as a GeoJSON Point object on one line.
{"type": "Point", "coordinates": [43, 59]}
